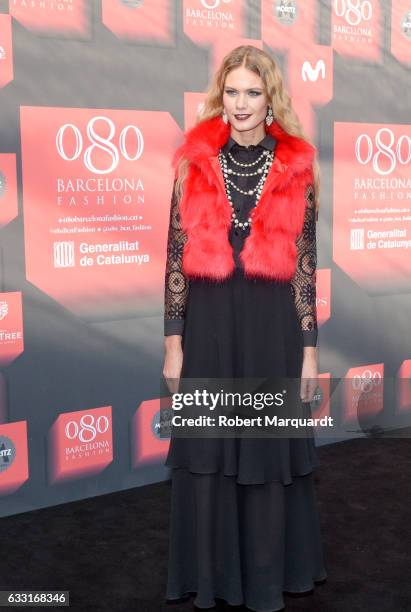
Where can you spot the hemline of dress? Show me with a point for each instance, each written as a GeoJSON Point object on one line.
{"type": "Point", "coordinates": [286, 589]}
{"type": "Point", "coordinates": [230, 603]}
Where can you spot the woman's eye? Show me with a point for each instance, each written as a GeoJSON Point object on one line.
{"type": "Point", "coordinates": [256, 93]}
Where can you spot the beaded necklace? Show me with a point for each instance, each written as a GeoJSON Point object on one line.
{"type": "Point", "coordinates": [267, 159]}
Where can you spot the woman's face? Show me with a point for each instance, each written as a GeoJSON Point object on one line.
{"type": "Point", "coordinates": [244, 94]}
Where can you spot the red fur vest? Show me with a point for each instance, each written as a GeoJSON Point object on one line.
{"type": "Point", "coordinates": [270, 249]}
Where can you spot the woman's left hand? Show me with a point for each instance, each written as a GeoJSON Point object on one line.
{"type": "Point", "coordinates": [309, 378]}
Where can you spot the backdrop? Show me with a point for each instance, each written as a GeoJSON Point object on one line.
{"type": "Point", "coordinates": [94, 99]}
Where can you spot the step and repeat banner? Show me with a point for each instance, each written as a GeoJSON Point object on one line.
{"type": "Point", "coordinates": [94, 99]}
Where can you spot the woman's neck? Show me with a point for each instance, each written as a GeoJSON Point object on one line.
{"type": "Point", "coordinates": [250, 137]}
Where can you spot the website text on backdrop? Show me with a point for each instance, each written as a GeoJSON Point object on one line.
{"type": "Point", "coordinates": [240, 302]}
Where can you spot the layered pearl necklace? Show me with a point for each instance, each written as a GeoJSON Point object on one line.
{"type": "Point", "coordinates": [267, 159]}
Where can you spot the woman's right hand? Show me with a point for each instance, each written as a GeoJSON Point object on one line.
{"type": "Point", "coordinates": [173, 362]}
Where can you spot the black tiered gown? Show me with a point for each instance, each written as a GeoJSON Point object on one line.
{"type": "Point", "coordinates": [244, 522]}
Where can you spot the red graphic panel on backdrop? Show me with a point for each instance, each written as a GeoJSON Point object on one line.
{"type": "Point", "coordinates": [290, 25]}
{"type": "Point", "coordinates": [310, 70]}
{"type": "Point", "coordinates": [52, 15]}
{"type": "Point", "coordinates": [80, 444]}
{"type": "Point", "coordinates": [404, 387]}
{"type": "Point", "coordinates": [372, 211]}
{"type": "Point", "coordinates": [137, 19]}
{"type": "Point", "coordinates": [146, 443]}
{"type": "Point", "coordinates": [11, 327]}
{"type": "Point", "coordinates": [363, 393]}
{"type": "Point", "coordinates": [323, 300]}
{"type": "Point", "coordinates": [286, 24]}
{"type": "Point", "coordinates": [8, 188]}
{"type": "Point", "coordinates": [14, 467]}
{"type": "Point", "coordinates": [401, 30]}
{"type": "Point", "coordinates": [356, 29]}
{"type": "Point", "coordinates": [96, 207]}
{"type": "Point", "coordinates": [204, 21]}
{"type": "Point", "coordinates": [6, 51]}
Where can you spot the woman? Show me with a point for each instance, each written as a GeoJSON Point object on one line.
{"type": "Point", "coordinates": [240, 302]}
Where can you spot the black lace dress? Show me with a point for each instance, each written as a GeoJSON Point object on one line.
{"type": "Point", "coordinates": [244, 523]}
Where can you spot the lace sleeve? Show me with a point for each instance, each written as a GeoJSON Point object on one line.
{"type": "Point", "coordinates": [176, 284]}
{"type": "Point", "coordinates": [303, 285]}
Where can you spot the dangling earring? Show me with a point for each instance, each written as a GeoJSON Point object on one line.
{"type": "Point", "coordinates": [225, 117]}
{"type": "Point", "coordinates": [269, 117]}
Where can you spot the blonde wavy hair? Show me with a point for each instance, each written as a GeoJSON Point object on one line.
{"type": "Point", "coordinates": [264, 65]}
